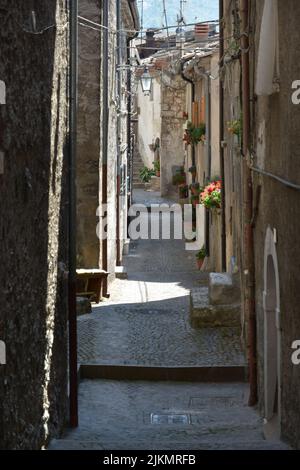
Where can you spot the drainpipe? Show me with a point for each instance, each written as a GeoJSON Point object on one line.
{"type": "Point", "coordinates": [105, 132]}
{"type": "Point", "coordinates": [119, 91]}
{"type": "Point", "coordinates": [222, 156]}
{"type": "Point", "coordinates": [249, 268]}
{"type": "Point", "coordinates": [188, 80]}
{"type": "Point", "coordinates": [129, 110]}
{"type": "Point", "coordinates": [206, 77]}
{"type": "Point", "coordinates": [73, 379]}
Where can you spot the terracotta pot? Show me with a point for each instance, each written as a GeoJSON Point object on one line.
{"type": "Point", "coordinates": [200, 263]}
{"type": "Point", "coordinates": [158, 174]}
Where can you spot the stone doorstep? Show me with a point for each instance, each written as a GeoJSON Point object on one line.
{"type": "Point", "coordinates": [205, 315]}
{"type": "Point", "coordinates": [223, 290]}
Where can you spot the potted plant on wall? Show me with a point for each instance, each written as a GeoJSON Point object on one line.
{"type": "Point", "coordinates": [211, 196]}
{"type": "Point", "coordinates": [180, 177]}
{"type": "Point", "coordinates": [200, 256]}
{"type": "Point", "coordinates": [193, 135]}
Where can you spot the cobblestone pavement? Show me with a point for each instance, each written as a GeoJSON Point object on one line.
{"type": "Point", "coordinates": [146, 322]}
{"type": "Point", "coordinates": [164, 416]}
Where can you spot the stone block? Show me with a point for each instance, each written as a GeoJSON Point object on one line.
{"type": "Point", "coordinates": [223, 290]}
{"type": "Point", "coordinates": [205, 315]}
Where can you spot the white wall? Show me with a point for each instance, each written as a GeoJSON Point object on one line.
{"type": "Point", "coordinates": [149, 127]}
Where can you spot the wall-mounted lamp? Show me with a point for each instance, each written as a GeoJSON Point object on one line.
{"type": "Point", "coordinates": [146, 82]}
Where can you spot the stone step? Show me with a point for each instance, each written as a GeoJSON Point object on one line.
{"type": "Point", "coordinates": [223, 289]}
{"type": "Point", "coordinates": [203, 314]}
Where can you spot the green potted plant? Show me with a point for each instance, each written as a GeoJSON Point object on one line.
{"type": "Point", "coordinates": [200, 256]}
{"type": "Point", "coordinates": [179, 179]}
{"type": "Point", "coordinates": [193, 135]}
{"type": "Point", "coordinates": [156, 166]}
{"type": "Point", "coordinates": [146, 174]}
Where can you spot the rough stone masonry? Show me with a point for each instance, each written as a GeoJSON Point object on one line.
{"type": "Point", "coordinates": [33, 188]}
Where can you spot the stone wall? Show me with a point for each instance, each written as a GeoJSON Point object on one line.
{"type": "Point", "coordinates": [88, 136]}
{"type": "Point", "coordinates": [33, 218]}
{"type": "Point", "coordinates": [275, 134]}
{"type": "Point", "coordinates": [173, 100]}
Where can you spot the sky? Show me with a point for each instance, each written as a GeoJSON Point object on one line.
{"type": "Point", "coordinates": [194, 10]}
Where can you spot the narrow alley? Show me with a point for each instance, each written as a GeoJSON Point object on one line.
{"type": "Point", "coordinates": [143, 334]}
{"type": "Point", "coordinates": [149, 225]}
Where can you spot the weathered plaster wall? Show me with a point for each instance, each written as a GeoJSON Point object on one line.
{"type": "Point", "coordinates": [279, 207]}
{"type": "Point", "coordinates": [173, 99]}
{"type": "Point", "coordinates": [275, 143]}
{"type": "Point", "coordinates": [149, 127]}
{"type": "Point", "coordinates": [33, 217]}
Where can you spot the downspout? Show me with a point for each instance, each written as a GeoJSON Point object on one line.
{"type": "Point", "coordinates": [222, 137]}
{"type": "Point", "coordinates": [118, 74]}
{"type": "Point", "coordinates": [129, 110]}
{"type": "Point", "coordinates": [188, 80]}
{"type": "Point", "coordinates": [206, 77]}
{"type": "Point", "coordinates": [73, 379]}
{"type": "Point", "coordinates": [249, 268]}
{"type": "Point", "coordinates": [105, 134]}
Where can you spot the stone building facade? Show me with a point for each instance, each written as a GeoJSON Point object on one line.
{"type": "Point", "coordinates": [273, 156]}
{"type": "Point", "coordinates": [91, 153]}
{"type": "Point", "coordinates": [34, 64]}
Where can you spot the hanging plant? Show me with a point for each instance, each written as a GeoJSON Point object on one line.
{"type": "Point", "coordinates": [193, 135]}
{"type": "Point", "coordinates": [235, 127]}
{"type": "Point", "coordinates": [211, 197]}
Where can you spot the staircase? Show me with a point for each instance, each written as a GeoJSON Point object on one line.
{"type": "Point", "coordinates": [138, 165]}
{"type": "Point", "coordinates": [218, 305]}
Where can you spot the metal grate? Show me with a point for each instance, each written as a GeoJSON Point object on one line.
{"type": "Point", "coordinates": [160, 419]}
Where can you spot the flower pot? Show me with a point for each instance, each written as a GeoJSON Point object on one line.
{"type": "Point", "coordinates": [200, 263]}
{"type": "Point", "coordinates": [158, 174]}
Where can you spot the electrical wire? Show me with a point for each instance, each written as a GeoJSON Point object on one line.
{"type": "Point", "coordinates": [166, 20]}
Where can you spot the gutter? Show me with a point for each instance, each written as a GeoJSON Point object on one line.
{"type": "Point", "coordinates": [248, 245]}
{"type": "Point", "coordinates": [73, 378]}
